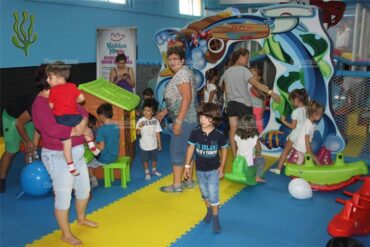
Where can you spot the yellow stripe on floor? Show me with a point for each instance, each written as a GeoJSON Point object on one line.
{"type": "Point", "coordinates": [147, 217]}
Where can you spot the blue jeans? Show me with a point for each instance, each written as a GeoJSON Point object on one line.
{"type": "Point", "coordinates": [209, 186]}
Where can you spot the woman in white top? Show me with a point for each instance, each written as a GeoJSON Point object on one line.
{"type": "Point", "coordinates": [299, 99]}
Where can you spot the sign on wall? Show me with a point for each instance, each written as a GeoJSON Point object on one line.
{"type": "Point", "coordinates": [113, 41]}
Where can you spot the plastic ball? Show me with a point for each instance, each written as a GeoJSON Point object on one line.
{"type": "Point", "coordinates": [35, 179]}
{"type": "Point", "coordinates": [300, 189]}
{"type": "Point", "coordinates": [334, 143]}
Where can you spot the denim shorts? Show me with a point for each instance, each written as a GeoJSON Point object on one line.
{"type": "Point", "coordinates": [63, 181]}
{"type": "Point", "coordinates": [179, 144]}
{"type": "Point", "coordinates": [70, 120]}
{"type": "Point", "coordinates": [209, 186]}
{"type": "Point", "coordinates": [148, 155]}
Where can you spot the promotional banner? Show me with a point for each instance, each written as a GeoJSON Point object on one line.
{"type": "Point", "coordinates": [113, 41]}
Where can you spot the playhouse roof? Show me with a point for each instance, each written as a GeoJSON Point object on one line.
{"type": "Point", "coordinates": [111, 93]}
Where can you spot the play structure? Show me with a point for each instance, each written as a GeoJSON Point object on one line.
{"type": "Point", "coordinates": [354, 218]}
{"type": "Point", "coordinates": [328, 177]}
{"type": "Point", "coordinates": [35, 179]}
{"type": "Point", "coordinates": [291, 36]}
{"type": "Point", "coordinates": [124, 103]}
{"type": "Point", "coordinates": [241, 172]}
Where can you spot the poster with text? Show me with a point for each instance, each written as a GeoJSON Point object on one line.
{"type": "Point", "coordinates": [113, 41]}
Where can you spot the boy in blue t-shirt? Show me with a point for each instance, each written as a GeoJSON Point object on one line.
{"type": "Point", "coordinates": [206, 141]}
{"type": "Point", "coordinates": [107, 140]}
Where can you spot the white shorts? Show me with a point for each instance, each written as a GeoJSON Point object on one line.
{"type": "Point", "coordinates": [63, 180]}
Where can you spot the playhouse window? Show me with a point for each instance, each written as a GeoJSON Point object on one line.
{"type": "Point", "coordinates": [190, 7]}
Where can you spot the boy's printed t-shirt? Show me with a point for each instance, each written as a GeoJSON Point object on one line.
{"type": "Point", "coordinates": [148, 140]}
{"type": "Point", "coordinates": [109, 134]}
{"type": "Point", "coordinates": [206, 148]}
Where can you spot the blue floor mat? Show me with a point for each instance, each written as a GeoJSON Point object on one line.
{"type": "Point", "coordinates": [263, 215]}
{"type": "Point", "coordinates": [266, 215]}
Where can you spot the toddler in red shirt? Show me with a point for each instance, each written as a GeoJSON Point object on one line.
{"type": "Point", "coordinates": [63, 100]}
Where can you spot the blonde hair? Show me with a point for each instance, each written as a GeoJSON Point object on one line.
{"type": "Point", "coordinates": [314, 107]}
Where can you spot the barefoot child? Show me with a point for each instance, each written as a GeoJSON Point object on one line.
{"type": "Point", "coordinates": [206, 141]}
{"type": "Point", "coordinates": [248, 144]}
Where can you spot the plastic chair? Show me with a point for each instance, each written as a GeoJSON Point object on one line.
{"type": "Point", "coordinates": [241, 172]}
{"type": "Point", "coordinates": [123, 163]}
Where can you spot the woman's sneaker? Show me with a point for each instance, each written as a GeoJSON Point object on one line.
{"type": "Point", "coordinates": [188, 184]}
{"type": "Point", "coordinates": [171, 189]}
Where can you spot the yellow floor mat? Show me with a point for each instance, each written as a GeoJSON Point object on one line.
{"type": "Point", "coordinates": [147, 217]}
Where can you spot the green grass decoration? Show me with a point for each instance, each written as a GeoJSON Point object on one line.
{"type": "Point", "coordinates": [22, 39]}
{"type": "Point", "coordinates": [111, 93]}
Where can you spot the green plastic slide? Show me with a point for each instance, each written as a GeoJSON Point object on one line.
{"type": "Point", "coordinates": [111, 93]}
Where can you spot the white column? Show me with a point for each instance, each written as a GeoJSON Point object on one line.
{"type": "Point", "coordinates": [356, 33]}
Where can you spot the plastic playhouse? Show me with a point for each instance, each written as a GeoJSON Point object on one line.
{"type": "Point", "coordinates": [124, 103]}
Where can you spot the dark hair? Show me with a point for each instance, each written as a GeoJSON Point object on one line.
{"type": "Point", "coordinates": [300, 94]}
{"type": "Point", "coordinates": [212, 111]}
{"type": "Point", "coordinates": [246, 127]}
{"type": "Point", "coordinates": [344, 242]}
{"type": "Point", "coordinates": [59, 68]}
{"type": "Point", "coordinates": [40, 78]}
{"type": "Point", "coordinates": [92, 121]}
{"type": "Point", "coordinates": [121, 57]}
{"type": "Point", "coordinates": [106, 110]}
{"type": "Point", "coordinates": [211, 73]}
{"type": "Point", "coordinates": [236, 55]}
{"type": "Point", "coordinates": [148, 92]}
{"type": "Point", "coordinates": [314, 107]}
{"type": "Point", "coordinates": [151, 103]}
{"type": "Point", "coordinates": [177, 51]}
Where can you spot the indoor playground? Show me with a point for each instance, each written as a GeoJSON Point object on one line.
{"type": "Point", "coordinates": [321, 46]}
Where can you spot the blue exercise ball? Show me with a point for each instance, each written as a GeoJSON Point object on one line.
{"type": "Point", "coordinates": [35, 179]}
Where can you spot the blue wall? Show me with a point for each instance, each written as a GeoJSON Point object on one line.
{"type": "Point", "coordinates": [68, 31]}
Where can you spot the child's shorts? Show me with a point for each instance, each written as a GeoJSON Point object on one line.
{"type": "Point", "coordinates": [70, 120]}
{"type": "Point", "coordinates": [149, 155]}
{"type": "Point", "coordinates": [296, 157]}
